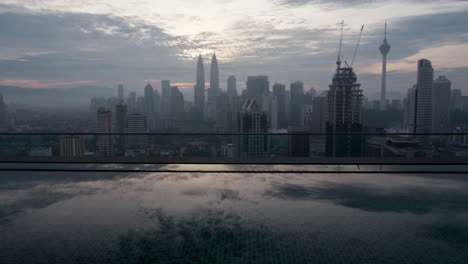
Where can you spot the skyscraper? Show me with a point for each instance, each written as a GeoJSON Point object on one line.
{"type": "Point", "coordinates": [165, 96]}
{"type": "Point", "coordinates": [279, 95]}
{"type": "Point", "coordinates": [384, 49]}
{"type": "Point", "coordinates": [297, 93]}
{"type": "Point", "coordinates": [104, 125]}
{"type": "Point", "coordinates": [120, 115]}
{"type": "Point", "coordinates": [120, 92]}
{"type": "Point", "coordinates": [256, 87]}
{"type": "Point", "coordinates": [136, 123]}
{"type": "Point", "coordinates": [344, 114]}
{"type": "Point", "coordinates": [423, 109]}
{"type": "Point", "coordinates": [232, 86]}
{"type": "Point", "coordinates": [177, 103]}
{"type": "Point", "coordinates": [149, 104]}
{"type": "Point", "coordinates": [214, 89]}
{"type": "Point", "coordinates": [214, 74]}
{"type": "Point", "coordinates": [199, 95]}
{"type": "Point", "coordinates": [253, 120]}
{"type": "Point", "coordinates": [233, 101]}
{"type": "Point", "coordinates": [149, 99]}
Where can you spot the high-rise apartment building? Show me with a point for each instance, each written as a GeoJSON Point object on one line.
{"type": "Point", "coordinates": [253, 120]}
{"type": "Point", "coordinates": [120, 92]}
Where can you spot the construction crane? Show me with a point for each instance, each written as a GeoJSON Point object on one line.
{"type": "Point", "coordinates": [338, 62]}
{"type": "Point", "coordinates": [357, 46]}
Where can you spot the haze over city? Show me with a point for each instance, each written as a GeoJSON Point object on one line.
{"type": "Point", "coordinates": [57, 44]}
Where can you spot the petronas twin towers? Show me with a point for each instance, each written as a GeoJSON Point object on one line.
{"type": "Point", "coordinates": [212, 92]}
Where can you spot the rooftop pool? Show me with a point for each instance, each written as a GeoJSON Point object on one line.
{"type": "Point", "coordinates": [207, 217]}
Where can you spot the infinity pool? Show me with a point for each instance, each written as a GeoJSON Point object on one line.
{"type": "Point", "coordinates": [112, 217]}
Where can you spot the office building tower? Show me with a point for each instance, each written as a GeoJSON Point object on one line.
{"type": "Point", "coordinates": [299, 141]}
{"type": "Point", "coordinates": [136, 123]}
{"type": "Point", "coordinates": [149, 100]}
{"type": "Point", "coordinates": [279, 92]}
{"type": "Point", "coordinates": [104, 125]}
{"type": "Point", "coordinates": [214, 89]}
{"type": "Point", "coordinates": [177, 103]}
{"type": "Point", "coordinates": [256, 87]}
{"type": "Point", "coordinates": [253, 120]}
{"type": "Point", "coordinates": [456, 101]}
{"type": "Point", "coordinates": [297, 93]}
{"type": "Point", "coordinates": [441, 105]}
{"type": "Point", "coordinates": [120, 92]}
{"type": "Point", "coordinates": [423, 109]}
{"type": "Point", "coordinates": [344, 114]}
{"type": "Point", "coordinates": [232, 86]}
{"type": "Point", "coordinates": [72, 146]}
{"type": "Point", "coordinates": [384, 49]}
{"type": "Point", "coordinates": [165, 96]}
{"type": "Point", "coordinates": [199, 90]}
{"type": "Point", "coordinates": [120, 115]}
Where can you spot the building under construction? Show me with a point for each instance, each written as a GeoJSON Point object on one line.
{"type": "Point", "coordinates": [344, 112]}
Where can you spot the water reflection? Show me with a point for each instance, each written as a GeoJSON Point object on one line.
{"type": "Point", "coordinates": [84, 217]}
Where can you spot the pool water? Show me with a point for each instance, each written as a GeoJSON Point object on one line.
{"type": "Point", "coordinates": [112, 217]}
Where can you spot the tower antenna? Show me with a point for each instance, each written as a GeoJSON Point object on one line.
{"type": "Point", "coordinates": [385, 34]}
{"type": "Point", "coordinates": [357, 46]}
{"type": "Point", "coordinates": [338, 62]}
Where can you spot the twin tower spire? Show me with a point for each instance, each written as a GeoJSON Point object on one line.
{"type": "Point", "coordinates": [213, 90]}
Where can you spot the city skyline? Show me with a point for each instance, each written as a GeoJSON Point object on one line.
{"type": "Point", "coordinates": [78, 45]}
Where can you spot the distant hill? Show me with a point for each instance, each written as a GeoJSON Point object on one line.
{"type": "Point", "coordinates": [74, 97]}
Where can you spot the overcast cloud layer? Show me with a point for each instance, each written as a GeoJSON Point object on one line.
{"type": "Point", "coordinates": [57, 43]}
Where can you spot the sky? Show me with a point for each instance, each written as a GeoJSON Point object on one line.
{"type": "Point", "coordinates": [65, 43]}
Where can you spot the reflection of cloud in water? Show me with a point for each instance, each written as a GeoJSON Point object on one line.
{"type": "Point", "coordinates": [213, 237]}
{"type": "Point", "coordinates": [369, 198]}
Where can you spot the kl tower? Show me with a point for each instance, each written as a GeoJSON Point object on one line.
{"type": "Point", "coordinates": [384, 49]}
